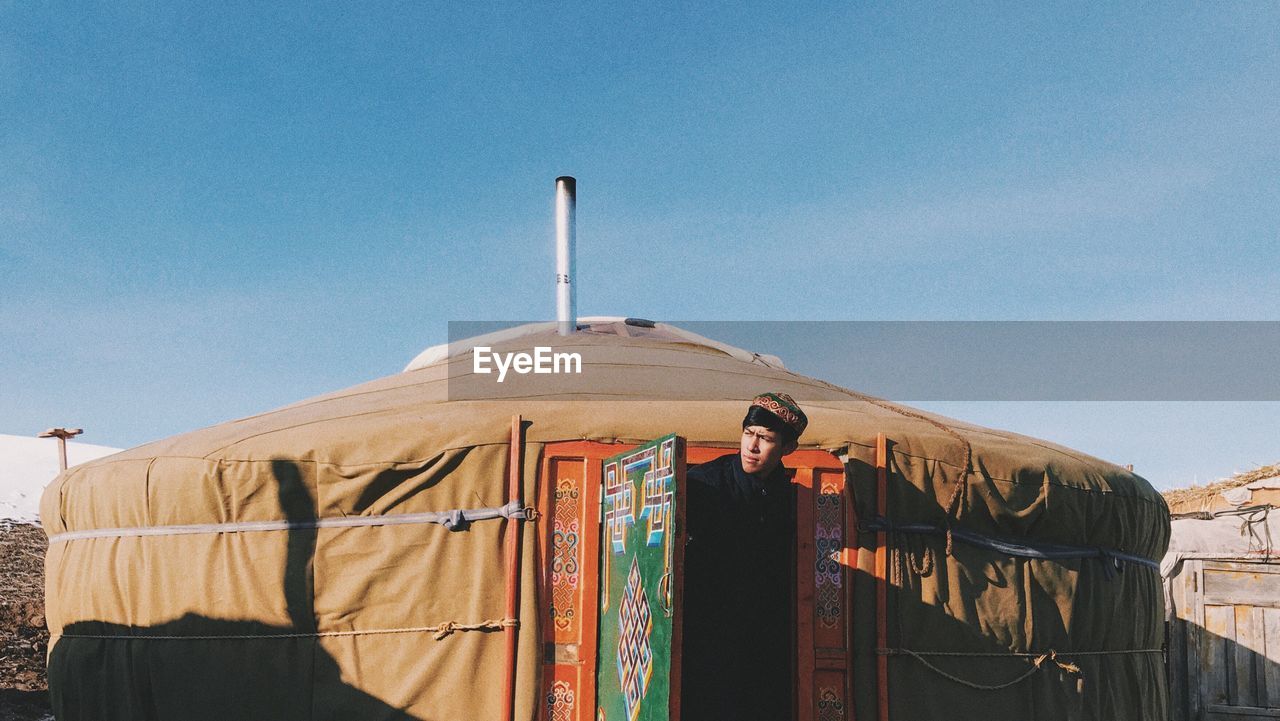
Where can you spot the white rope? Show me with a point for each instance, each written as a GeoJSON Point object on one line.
{"type": "Point", "coordinates": [453, 520]}
{"type": "Point", "coordinates": [442, 630]}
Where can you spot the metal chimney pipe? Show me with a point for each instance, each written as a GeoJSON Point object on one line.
{"type": "Point", "coordinates": [566, 237]}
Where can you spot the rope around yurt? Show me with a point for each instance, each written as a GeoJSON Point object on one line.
{"type": "Point", "coordinates": [1038, 661]}
{"type": "Point", "coordinates": [441, 631]}
{"type": "Point", "coordinates": [955, 504]}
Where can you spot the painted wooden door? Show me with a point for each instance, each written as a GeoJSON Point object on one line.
{"type": "Point", "coordinates": [570, 488]}
{"type": "Point", "coordinates": [641, 555]}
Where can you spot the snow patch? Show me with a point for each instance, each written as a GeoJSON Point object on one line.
{"type": "Point", "coordinates": [28, 464]}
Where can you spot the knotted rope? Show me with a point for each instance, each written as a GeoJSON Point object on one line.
{"type": "Point", "coordinates": [955, 504]}
{"type": "Point", "coordinates": [449, 627]}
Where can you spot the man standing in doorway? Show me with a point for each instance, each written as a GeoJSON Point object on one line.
{"type": "Point", "coordinates": [739, 573]}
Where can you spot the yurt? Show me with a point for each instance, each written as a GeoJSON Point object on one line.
{"type": "Point", "coordinates": [428, 546]}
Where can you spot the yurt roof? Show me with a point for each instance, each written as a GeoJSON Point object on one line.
{"type": "Point", "coordinates": [633, 388]}
{"type": "Point", "coordinates": [641, 385]}
{"type": "Point", "coordinates": [594, 325]}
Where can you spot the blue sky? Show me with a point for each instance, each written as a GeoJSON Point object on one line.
{"type": "Point", "coordinates": [210, 211]}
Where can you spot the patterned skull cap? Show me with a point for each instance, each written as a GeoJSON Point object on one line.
{"type": "Point", "coordinates": [785, 408]}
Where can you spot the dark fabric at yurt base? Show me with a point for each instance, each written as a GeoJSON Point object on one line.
{"type": "Point", "coordinates": [965, 615]}
{"type": "Point", "coordinates": [344, 622]}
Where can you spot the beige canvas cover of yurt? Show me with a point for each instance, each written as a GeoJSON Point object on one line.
{"type": "Point", "coordinates": [311, 562]}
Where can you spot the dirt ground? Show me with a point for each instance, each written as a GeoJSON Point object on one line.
{"type": "Point", "coordinates": [23, 636]}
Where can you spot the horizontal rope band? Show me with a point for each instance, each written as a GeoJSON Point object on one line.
{"type": "Point", "coordinates": [454, 520]}
{"type": "Point", "coordinates": [1038, 660]}
{"type": "Point", "coordinates": [441, 631]}
{"type": "Point", "coordinates": [1044, 551]}
{"type": "Point", "coordinates": [1012, 654]}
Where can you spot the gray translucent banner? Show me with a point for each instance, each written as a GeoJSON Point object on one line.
{"type": "Point", "coordinates": [911, 360]}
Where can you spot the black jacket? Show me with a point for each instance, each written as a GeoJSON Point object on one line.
{"type": "Point", "coordinates": [738, 581]}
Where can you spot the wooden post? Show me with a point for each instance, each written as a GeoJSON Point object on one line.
{"type": "Point", "coordinates": [514, 531]}
{"type": "Point", "coordinates": [62, 434]}
{"type": "Point", "coordinates": [882, 578]}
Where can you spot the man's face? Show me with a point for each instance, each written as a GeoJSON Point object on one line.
{"type": "Point", "coordinates": [762, 450]}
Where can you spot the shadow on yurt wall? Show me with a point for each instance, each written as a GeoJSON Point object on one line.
{"type": "Point", "coordinates": [202, 667]}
